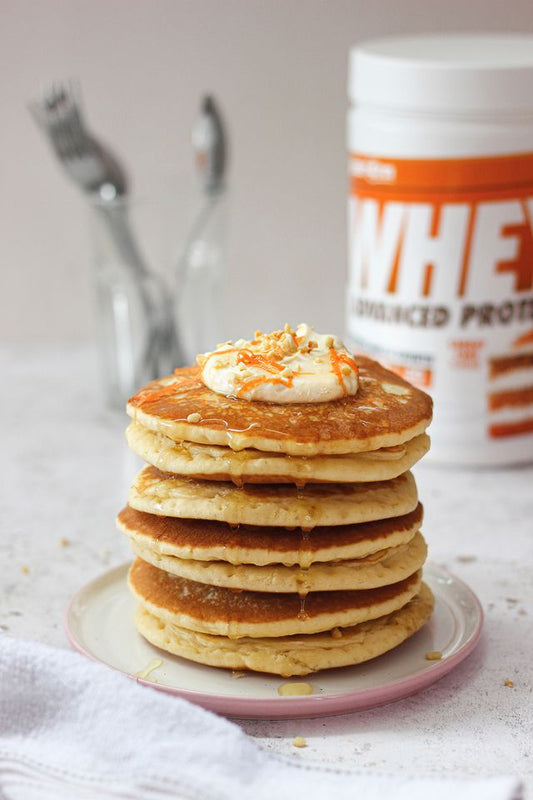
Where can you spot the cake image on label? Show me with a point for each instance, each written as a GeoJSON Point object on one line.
{"type": "Point", "coordinates": [276, 526]}
{"type": "Point", "coordinates": [510, 399]}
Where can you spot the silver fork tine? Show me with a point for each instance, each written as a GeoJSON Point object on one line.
{"type": "Point", "coordinates": [67, 124]}
{"type": "Point", "coordinates": [59, 116]}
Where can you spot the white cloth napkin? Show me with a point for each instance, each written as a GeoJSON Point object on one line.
{"type": "Point", "coordinates": [71, 729]}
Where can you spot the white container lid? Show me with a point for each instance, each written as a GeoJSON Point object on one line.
{"type": "Point", "coordinates": [444, 73]}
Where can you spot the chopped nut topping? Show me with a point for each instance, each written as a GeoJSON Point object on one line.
{"type": "Point", "coordinates": [196, 417]}
{"type": "Point", "coordinates": [311, 361]}
{"type": "Point", "coordinates": [336, 633]}
{"type": "Point", "coordinates": [299, 741]}
{"type": "Point", "coordinates": [433, 655]}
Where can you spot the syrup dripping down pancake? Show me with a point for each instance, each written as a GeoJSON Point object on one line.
{"type": "Point", "coordinates": [217, 463]}
{"type": "Point", "coordinates": [381, 569]}
{"type": "Point", "coordinates": [208, 540]}
{"type": "Point", "coordinates": [285, 505]}
{"type": "Point", "coordinates": [386, 411]}
{"type": "Point", "coordinates": [291, 655]}
{"type": "Point", "coordinates": [224, 612]}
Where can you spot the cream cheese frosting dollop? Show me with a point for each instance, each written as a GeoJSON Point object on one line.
{"type": "Point", "coordinates": [286, 366]}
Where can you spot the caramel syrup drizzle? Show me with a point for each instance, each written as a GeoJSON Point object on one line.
{"type": "Point", "coordinates": [151, 394]}
{"type": "Point", "coordinates": [267, 363]}
{"type": "Point", "coordinates": [270, 365]}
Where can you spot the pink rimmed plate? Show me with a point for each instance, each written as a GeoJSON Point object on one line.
{"type": "Point", "coordinates": [99, 623]}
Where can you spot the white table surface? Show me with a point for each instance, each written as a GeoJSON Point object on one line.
{"type": "Point", "coordinates": [66, 471]}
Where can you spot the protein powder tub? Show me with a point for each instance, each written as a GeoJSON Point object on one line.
{"type": "Point", "coordinates": [440, 136]}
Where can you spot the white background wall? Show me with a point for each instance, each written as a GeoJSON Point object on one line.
{"type": "Point", "coordinates": [278, 67]}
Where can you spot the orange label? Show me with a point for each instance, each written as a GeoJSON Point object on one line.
{"type": "Point", "coordinates": [455, 177]}
{"type": "Point", "coordinates": [441, 277]}
{"type": "Point", "coordinates": [470, 210]}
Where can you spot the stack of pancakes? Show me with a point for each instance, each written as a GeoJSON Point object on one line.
{"type": "Point", "coordinates": [281, 538]}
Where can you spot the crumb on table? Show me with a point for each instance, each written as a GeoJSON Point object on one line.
{"type": "Point", "coordinates": [433, 655]}
{"type": "Point", "coordinates": [299, 741]}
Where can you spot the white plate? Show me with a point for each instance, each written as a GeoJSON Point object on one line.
{"type": "Point", "coordinates": [99, 623]}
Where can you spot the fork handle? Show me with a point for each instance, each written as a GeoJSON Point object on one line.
{"type": "Point", "coordinates": [116, 217]}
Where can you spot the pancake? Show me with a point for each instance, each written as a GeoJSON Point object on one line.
{"type": "Point", "coordinates": [385, 412]}
{"type": "Point", "coordinates": [268, 504]}
{"type": "Point", "coordinates": [217, 463]}
{"type": "Point", "coordinates": [291, 655]}
{"type": "Point", "coordinates": [225, 612]}
{"type": "Point", "coordinates": [207, 540]}
{"type": "Point", "coordinates": [381, 569]}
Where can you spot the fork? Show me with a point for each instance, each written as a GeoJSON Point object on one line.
{"type": "Point", "coordinates": [100, 175]}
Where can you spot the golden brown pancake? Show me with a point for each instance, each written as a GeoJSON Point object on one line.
{"type": "Point", "coordinates": [272, 504]}
{"type": "Point", "coordinates": [386, 411]}
{"type": "Point", "coordinates": [381, 569]}
{"type": "Point", "coordinates": [217, 463]}
{"type": "Point", "coordinates": [207, 540]}
{"type": "Point", "coordinates": [291, 655]}
{"type": "Point", "coordinates": [225, 612]}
